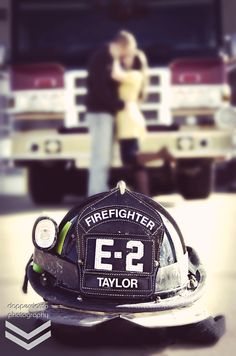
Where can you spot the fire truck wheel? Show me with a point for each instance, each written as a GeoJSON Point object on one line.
{"type": "Point", "coordinates": [194, 178]}
{"type": "Point", "coordinates": [46, 184]}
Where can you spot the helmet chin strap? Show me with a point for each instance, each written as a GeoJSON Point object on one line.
{"type": "Point", "coordinates": [26, 280]}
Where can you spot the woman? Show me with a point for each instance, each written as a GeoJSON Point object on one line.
{"type": "Point", "coordinates": [130, 123]}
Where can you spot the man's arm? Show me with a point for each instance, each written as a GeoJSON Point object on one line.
{"type": "Point", "coordinates": [117, 72]}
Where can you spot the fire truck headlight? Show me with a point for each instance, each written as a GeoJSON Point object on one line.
{"type": "Point", "coordinates": [22, 102]}
{"type": "Point", "coordinates": [43, 103]}
{"type": "Point", "coordinates": [226, 93]}
{"type": "Point", "coordinates": [33, 100]}
{"type": "Point", "coordinates": [25, 102]}
{"type": "Point", "coordinates": [52, 146]}
{"type": "Point", "coordinates": [226, 118]}
{"type": "Point", "coordinates": [185, 143]}
{"type": "Point", "coordinates": [40, 101]}
{"type": "Point", "coordinates": [59, 100]}
{"type": "Point", "coordinates": [45, 233]}
{"type": "Point", "coordinates": [191, 120]}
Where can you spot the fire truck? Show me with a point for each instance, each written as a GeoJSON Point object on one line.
{"type": "Point", "coordinates": [188, 97]}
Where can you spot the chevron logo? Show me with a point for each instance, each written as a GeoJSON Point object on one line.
{"type": "Point", "coordinates": [27, 336]}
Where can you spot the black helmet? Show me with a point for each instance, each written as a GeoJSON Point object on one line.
{"type": "Point", "coordinates": [119, 253]}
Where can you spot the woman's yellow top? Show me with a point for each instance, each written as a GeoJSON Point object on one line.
{"type": "Point", "coordinates": [130, 122]}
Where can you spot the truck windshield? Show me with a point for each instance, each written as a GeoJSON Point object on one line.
{"type": "Point", "coordinates": [68, 31]}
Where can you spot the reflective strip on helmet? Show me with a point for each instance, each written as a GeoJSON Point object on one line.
{"type": "Point", "coordinates": [37, 268]}
{"type": "Point", "coordinates": [173, 276]}
{"type": "Point", "coordinates": [174, 236]}
{"type": "Point", "coordinates": [62, 236]}
{"type": "Point", "coordinates": [167, 251]}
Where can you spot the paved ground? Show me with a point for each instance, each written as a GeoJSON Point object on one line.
{"type": "Point", "coordinates": [208, 225]}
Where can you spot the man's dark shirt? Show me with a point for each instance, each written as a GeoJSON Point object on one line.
{"type": "Point", "coordinates": [102, 89]}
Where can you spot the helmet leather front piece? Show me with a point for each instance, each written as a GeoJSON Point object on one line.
{"type": "Point", "coordinates": [119, 238]}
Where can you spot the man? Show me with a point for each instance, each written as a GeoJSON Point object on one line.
{"type": "Point", "coordinates": [102, 105]}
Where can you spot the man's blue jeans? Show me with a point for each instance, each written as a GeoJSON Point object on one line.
{"type": "Point", "coordinates": [101, 127]}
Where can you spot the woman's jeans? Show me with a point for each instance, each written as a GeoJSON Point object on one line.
{"type": "Point", "coordinates": [101, 127]}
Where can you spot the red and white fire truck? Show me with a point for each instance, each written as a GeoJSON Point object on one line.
{"type": "Point", "coordinates": [188, 95]}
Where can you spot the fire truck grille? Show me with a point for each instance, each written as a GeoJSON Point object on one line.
{"type": "Point", "coordinates": [156, 107]}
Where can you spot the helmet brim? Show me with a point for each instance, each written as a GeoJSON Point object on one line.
{"type": "Point", "coordinates": [62, 315]}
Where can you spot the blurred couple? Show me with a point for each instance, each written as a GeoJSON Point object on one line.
{"type": "Point", "coordinates": [117, 81]}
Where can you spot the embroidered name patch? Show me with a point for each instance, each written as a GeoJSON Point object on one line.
{"type": "Point", "coordinates": [118, 263]}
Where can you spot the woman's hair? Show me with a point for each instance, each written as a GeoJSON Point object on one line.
{"type": "Point", "coordinates": [140, 63]}
{"type": "Point", "coordinates": [125, 39]}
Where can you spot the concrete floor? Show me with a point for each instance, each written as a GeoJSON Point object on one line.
{"type": "Point", "coordinates": [208, 225]}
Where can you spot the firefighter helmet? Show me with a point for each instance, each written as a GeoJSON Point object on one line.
{"type": "Point", "coordinates": [119, 253]}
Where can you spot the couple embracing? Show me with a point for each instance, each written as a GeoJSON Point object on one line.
{"type": "Point", "coordinates": [117, 82]}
